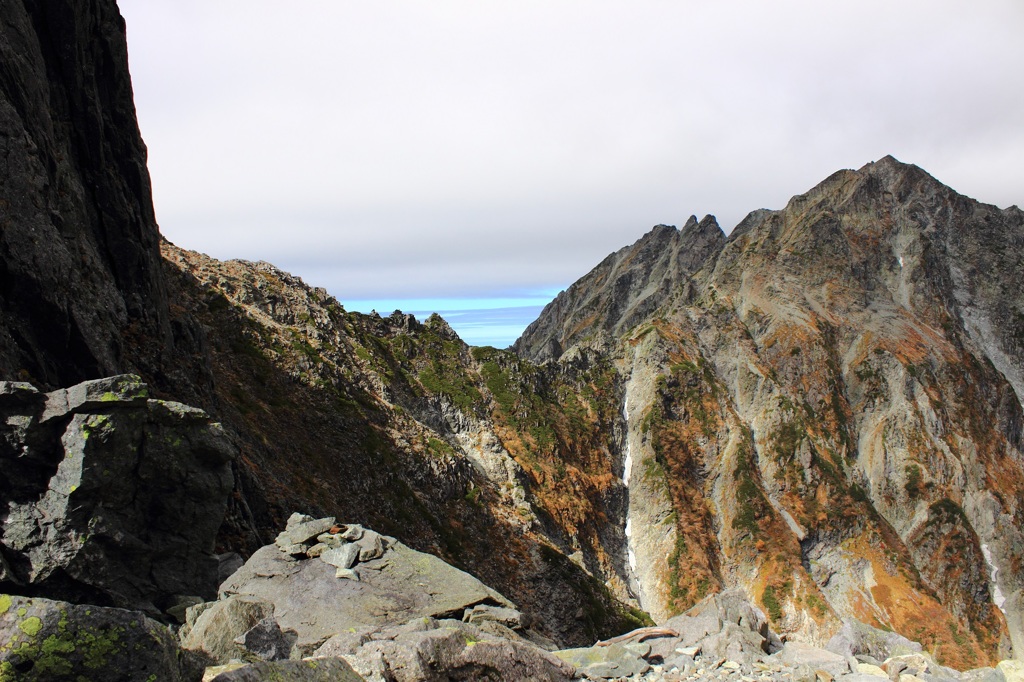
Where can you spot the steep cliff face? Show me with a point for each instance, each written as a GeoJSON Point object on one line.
{"type": "Point", "coordinates": [79, 253]}
{"type": "Point", "coordinates": [828, 409]}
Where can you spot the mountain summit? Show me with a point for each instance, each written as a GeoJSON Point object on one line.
{"type": "Point", "coordinates": [824, 407]}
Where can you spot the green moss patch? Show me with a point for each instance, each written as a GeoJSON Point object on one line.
{"type": "Point", "coordinates": [31, 626]}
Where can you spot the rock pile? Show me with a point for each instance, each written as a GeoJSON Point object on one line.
{"type": "Point", "coordinates": [329, 590]}
{"type": "Point", "coordinates": [331, 601]}
{"type": "Point", "coordinates": [342, 595]}
{"type": "Point", "coordinates": [725, 638]}
{"type": "Point", "coordinates": [339, 546]}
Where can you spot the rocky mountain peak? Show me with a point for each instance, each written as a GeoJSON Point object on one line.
{"type": "Point", "coordinates": [623, 289]}
{"type": "Point", "coordinates": [804, 382]}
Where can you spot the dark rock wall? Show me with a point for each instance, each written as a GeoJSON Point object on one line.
{"type": "Point", "coordinates": [79, 245]}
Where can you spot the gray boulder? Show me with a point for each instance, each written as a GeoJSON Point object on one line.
{"type": "Point", "coordinates": [796, 655]}
{"type": "Point", "coordinates": [856, 638]}
{"type": "Point", "coordinates": [723, 629]}
{"type": "Point", "coordinates": [734, 643]}
{"type": "Point", "coordinates": [606, 662]}
{"type": "Point", "coordinates": [227, 564]}
{"type": "Point", "coordinates": [342, 557]}
{"type": "Point", "coordinates": [983, 675]}
{"type": "Point", "coordinates": [211, 630]}
{"type": "Point", "coordinates": [302, 530]}
{"type": "Point", "coordinates": [696, 624]}
{"type": "Point", "coordinates": [308, 670]}
{"type": "Point", "coordinates": [432, 650]}
{"type": "Point", "coordinates": [481, 613]}
{"type": "Point", "coordinates": [347, 643]}
{"type": "Point", "coordinates": [111, 497]}
{"type": "Point", "coordinates": [264, 641]}
{"type": "Point", "coordinates": [400, 585]}
{"type": "Point", "coordinates": [371, 546]}
{"type": "Point", "coordinates": [715, 611]}
{"type": "Point", "coordinates": [52, 641]}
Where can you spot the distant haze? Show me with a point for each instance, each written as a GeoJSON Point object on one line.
{"type": "Point", "coordinates": [492, 153]}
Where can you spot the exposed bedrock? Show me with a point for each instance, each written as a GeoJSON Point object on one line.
{"type": "Point", "coordinates": [109, 497]}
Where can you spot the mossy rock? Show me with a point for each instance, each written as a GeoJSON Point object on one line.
{"type": "Point", "coordinates": [49, 640]}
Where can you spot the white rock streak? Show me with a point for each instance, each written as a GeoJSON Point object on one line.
{"type": "Point", "coordinates": [997, 595]}
{"type": "Point", "coordinates": [630, 554]}
{"type": "Point", "coordinates": [627, 464]}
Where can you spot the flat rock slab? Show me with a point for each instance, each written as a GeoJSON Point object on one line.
{"type": "Point", "coordinates": [401, 585]}
{"type": "Point", "coordinates": [607, 662]}
{"type": "Point", "coordinates": [446, 650]}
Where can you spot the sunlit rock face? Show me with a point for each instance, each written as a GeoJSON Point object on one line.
{"type": "Point", "coordinates": [829, 403]}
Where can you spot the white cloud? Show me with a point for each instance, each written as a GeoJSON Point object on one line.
{"type": "Point", "coordinates": [446, 148]}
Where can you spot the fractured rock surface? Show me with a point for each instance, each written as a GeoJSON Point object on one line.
{"type": "Point", "coordinates": [110, 497]}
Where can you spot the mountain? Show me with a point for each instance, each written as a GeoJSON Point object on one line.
{"type": "Point", "coordinates": [825, 410]}
{"type": "Point", "coordinates": [400, 426]}
{"type": "Point", "coordinates": [821, 410]}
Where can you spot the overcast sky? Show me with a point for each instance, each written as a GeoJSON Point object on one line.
{"type": "Point", "coordinates": [493, 152]}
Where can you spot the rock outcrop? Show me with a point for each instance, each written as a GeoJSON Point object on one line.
{"type": "Point", "coordinates": [80, 279]}
{"type": "Point", "coordinates": [109, 497]}
{"type": "Point", "coordinates": [313, 588]}
{"type": "Point", "coordinates": [391, 612]}
{"type": "Point", "coordinates": [825, 410]}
